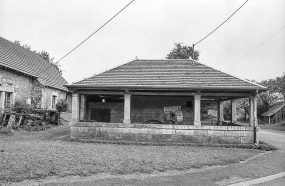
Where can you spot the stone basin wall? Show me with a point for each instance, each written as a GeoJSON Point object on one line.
{"type": "Point", "coordinates": [163, 133]}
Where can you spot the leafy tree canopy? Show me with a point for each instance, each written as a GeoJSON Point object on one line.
{"type": "Point", "coordinates": [44, 54]}
{"type": "Point", "coordinates": [181, 51]}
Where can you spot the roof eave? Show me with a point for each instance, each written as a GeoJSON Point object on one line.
{"type": "Point", "coordinates": [162, 88]}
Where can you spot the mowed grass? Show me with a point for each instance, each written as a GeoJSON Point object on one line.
{"type": "Point", "coordinates": [34, 155]}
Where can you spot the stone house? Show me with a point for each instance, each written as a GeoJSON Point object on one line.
{"type": "Point", "coordinates": [25, 77]}
{"type": "Point", "coordinates": [162, 100]}
{"type": "Point", "coordinates": [275, 114]}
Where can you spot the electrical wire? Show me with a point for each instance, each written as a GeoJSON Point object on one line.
{"type": "Point", "coordinates": [222, 22]}
{"type": "Point", "coordinates": [96, 31]}
{"type": "Point", "coordinates": [241, 34]}
{"type": "Point", "coordinates": [257, 47]}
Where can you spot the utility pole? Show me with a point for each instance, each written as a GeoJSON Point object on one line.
{"type": "Point", "coordinates": [193, 55]}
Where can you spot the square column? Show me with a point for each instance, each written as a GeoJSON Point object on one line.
{"type": "Point", "coordinates": [127, 109]}
{"type": "Point", "coordinates": [234, 110]}
{"type": "Point", "coordinates": [251, 110]}
{"type": "Point", "coordinates": [220, 112]}
{"type": "Point", "coordinates": [82, 108]}
{"type": "Point", "coordinates": [2, 100]}
{"type": "Point", "coordinates": [197, 109]}
{"type": "Point", "coordinates": [75, 108]}
{"type": "Point", "coordinates": [255, 123]}
{"type": "Point", "coordinates": [12, 98]}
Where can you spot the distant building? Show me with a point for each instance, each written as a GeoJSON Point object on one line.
{"type": "Point", "coordinates": [25, 77]}
{"type": "Point", "coordinates": [275, 114]}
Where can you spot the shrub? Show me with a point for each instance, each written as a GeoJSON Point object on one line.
{"type": "Point", "coordinates": [62, 106]}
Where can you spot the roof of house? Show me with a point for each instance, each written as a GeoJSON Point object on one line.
{"type": "Point", "coordinates": [273, 110]}
{"type": "Point", "coordinates": [28, 62]}
{"type": "Point", "coordinates": [166, 73]}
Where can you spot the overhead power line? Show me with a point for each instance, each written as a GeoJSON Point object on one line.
{"type": "Point", "coordinates": [257, 47]}
{"type": "Point", "coordinates": [222, 23]}
{"type": "Point", "coordinates": [96, 31]}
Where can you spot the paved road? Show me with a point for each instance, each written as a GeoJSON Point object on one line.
{"type": "Point", "coordinates": [265, 165]}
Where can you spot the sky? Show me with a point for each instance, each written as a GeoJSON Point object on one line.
{"type": "Point", "coordinates": [250, 45]}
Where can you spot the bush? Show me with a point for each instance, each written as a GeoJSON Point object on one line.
{"type": "Point", "coordinates": [62, 106]}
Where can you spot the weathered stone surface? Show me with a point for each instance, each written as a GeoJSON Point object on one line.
{"type": "Point", "coordinates": [163, 133]}
{"type": "Point", "coordinates": [216, 133]}
{"type": "Point", "coordinates": [201, 132]}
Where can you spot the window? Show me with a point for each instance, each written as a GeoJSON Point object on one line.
{"type": "Point", "coordinates": [7, 99]}
{"type": "Point", "coordinates": [53, 103]}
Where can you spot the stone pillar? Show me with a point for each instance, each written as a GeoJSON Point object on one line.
{"type": "Point", "coordinates": [197, 109]}
{"type": "Point", "coordinates": [2, 103]}
{"type": "Point", "coordinates": [82, 108]}
{"type": "Point", "coordinates": [2, 100]}
{"type": "Point", "coordinates": [12, 98]}
{"type": "Point", "coordinates": [220, 112]}
{"type": "Point", "coordinates": [127, 109]}
{"type": "Point", "coordinates": [251, 111]}
{"type": "Point", "coordinates": [255, 123]}
{"type": "Point", "coordinates": [234, 110]}
{"type": "Point", "coordinates": [75, 108]}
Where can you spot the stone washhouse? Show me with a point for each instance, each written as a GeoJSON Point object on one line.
{"type": "Point", "coordinates": [170, 100]}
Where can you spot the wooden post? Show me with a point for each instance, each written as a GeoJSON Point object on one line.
{"type": "Point", "coordinates": [268, 119]}
{"type": "Point", "coordinates": [127, 109]}
{"type": "Point", "coordinates": [197, 109]}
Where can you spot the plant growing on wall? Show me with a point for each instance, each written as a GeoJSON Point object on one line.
{"type": "Point", "coordinates": [62, 105]}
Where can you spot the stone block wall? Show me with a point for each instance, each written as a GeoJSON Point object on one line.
{"type": "Point", "coordinates": [163, 133]}
{"type": "Point", "coordinates": [152, 107]}
{"type": "Point", "coordinates": [22, 84]}
{"type": "Point", "coordinates": [27, 87]}
{"type": "Point", "coordinates": [47, 96]}
{"type": "Point", "coordinates": [116, 110]}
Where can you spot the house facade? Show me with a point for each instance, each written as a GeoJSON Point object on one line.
{"type": "Point", "coordinates": [26, 78]}
{"type": "Point", "coordinates": [162, 100]}
{"type": "Point", "coordinates": [275, 114]}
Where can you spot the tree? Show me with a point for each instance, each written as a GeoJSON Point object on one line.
{"type": "Point", "coordinates": [44, 54]}
{"type": "Point", "coordinates": [275, 93]}
{"type": "Point", "coordinates": [181, 51]}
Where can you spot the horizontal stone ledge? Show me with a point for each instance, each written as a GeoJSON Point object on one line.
{"type": "Point", "coordinates": [163, 126]}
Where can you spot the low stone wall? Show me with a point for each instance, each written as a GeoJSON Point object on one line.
{"type": "Point", "coordinates": [163, 133]}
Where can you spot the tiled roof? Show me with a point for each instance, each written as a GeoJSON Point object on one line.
{"type": "Point", "coordinates": [177, 73]}
{"type": "Point", "coordinates": [273, 110]}
{"type": "Point", "coordinates": [23, 60]}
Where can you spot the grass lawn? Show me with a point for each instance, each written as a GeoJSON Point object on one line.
{"type": "Point", "coordinates": [276, 126]}
{"type": "Point", "coordinates": [33, 155]}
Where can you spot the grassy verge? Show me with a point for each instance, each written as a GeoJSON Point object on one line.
{"type": "Point", "coordinates": [33, 155]}
{"type": "Point", "coordinates": [276, 126]}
